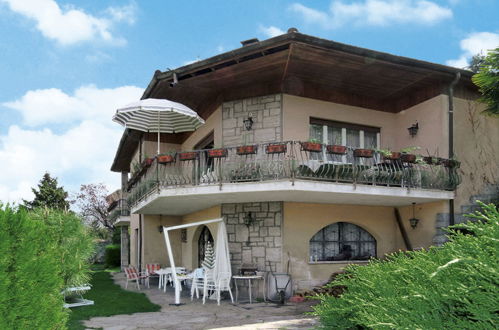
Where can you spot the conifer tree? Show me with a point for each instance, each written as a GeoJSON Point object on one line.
{"type": "Point", "coordinates": [209, 257]}
{"type": "Point", "coordinates": [48, 195]}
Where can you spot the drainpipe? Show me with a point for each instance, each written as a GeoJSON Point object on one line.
{"type": "Point", "coordinates": [451, 136]}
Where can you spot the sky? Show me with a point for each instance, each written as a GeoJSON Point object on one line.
{"type": "Point", "coordinates": [66, 66]}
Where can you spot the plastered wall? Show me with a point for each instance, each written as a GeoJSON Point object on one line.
{"type": "Point", "coordinates": [302, 221]}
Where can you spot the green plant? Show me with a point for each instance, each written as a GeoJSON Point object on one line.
{"type": "Point", "coordinates": [314, 141]}
{"type": "Point", "coordinates": [448, 287]}
{"type": "Point", "coordinates": [112, 256]}
{"type": "Point", "coordinates": [487, 80]}
{"type": "Point", "coordinates": [384, 152]}
{"type": "Point", "coordinates": [30, 273]}
{"type": "Point", "coordinates": [408, 150]}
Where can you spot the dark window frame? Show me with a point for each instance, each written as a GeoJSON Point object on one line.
{"type": "Point", "coordinates": [341, 241]}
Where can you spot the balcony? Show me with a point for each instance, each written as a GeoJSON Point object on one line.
{"type": "Point", "coordinates": [119, 212]}
{"type": "Point", "coordinates": [289, 171]}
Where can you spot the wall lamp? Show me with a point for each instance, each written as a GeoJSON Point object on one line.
{"type": "Point", "coordinates": [175, 80]}
{"type": "Point", "coordinates": [413, 221]}
{"type": "Point", "coordinates": [160, 229]}
{"type": "Point", "coordinates": [413, 130]}
{"type": "Point", "coordinates": [249, 219]}
{"type": "Point", "coordinates": [248, 122]}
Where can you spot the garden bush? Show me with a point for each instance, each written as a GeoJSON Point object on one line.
{"type": "Point", "coordinates": [448, 287]}
{"type": "Point", "coordinates": [113, 255]}
{"type": "Point", "coordinates": [30, 281]}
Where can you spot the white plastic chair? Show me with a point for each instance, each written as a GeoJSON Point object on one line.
{"type": "Point", "coordinates": [222, 284]}
{"type": "Point", "coordinates": [197, 282]}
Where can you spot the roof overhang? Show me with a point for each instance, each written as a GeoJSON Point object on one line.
{"type": "Point", "coordinates": [300, 65]}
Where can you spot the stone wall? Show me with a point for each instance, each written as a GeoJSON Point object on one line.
{"type": "Point", "coordinates": [125, 247]}
{"type": "Point", "coordinates": [264, 247]}
{"type": "Point", "coordinates": [266, 112]}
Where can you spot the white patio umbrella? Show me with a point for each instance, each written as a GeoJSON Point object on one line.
{"type": "Point", "coordinates": [222, 257]}
{"type": "Point", "coordinates": [158, 115]}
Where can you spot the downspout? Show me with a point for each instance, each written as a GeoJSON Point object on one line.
{"type": "Point", "coordinates": [451, 137]}
{"type": "Point", "coordinates": [403, 232]}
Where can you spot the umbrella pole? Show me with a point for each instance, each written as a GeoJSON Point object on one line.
{"type": "Point", "coordinates": [158, 133]}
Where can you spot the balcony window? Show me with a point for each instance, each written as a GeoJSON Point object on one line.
{"type": "Point", "coordinates": [350, 135]}
{"type": "Point", "coordinates": [342, 241]}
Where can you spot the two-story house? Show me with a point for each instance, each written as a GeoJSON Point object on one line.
{"type": "Point", "coordinates": [300, 155]}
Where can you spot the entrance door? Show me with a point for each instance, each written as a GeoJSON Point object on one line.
{"type": "Point", "coordinates": [204, 238]}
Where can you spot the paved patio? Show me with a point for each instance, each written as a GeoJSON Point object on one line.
{"type": "Point", "coordinates": [195, 315]}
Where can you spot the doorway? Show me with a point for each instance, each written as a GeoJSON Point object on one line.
{"type": "Point", "coordinates": [203, 240]}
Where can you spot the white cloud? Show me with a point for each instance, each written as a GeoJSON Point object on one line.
{"type": "Point", "coordinates": [374, 13]}
{"type": "Point", "coordinates": [270, 31]}
{"type": "Point", "coordinates": [53, 106]}
{"type": "Point", "coordinates": [70, 25]}
{"type": "Point", "coordinates": [81, 154]}
{"type": "Point", "coordinates": [475, 43]}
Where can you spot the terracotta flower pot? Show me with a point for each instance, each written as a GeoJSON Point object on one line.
{"type": "Point", "coordinates": [364, 153]}
{"type": "Point", "coordinates": [217, 153]}
{"type": "Point", "coordinates": [408, 158]}
{"type": "Point", "coordinates": [311, 146]}
{"type": "Point", "coordinates": [430, 160]}
{"type": "Point", "coordinates": [190, 155]}
{"type": "Point", "coordinates": [166, 159]}
{"type": "Point", "coordinates": [450, 163]}
{"type": "Point", "coordinates": [393, 156]}
{"type": "Point", "coordinates": [336, 149]}
{"type": "Point", "coordinates": [246, 150]}
{"type": "Point", "coordinates": [147, 162]}
{"type": "Point", "coordinates": [276, 148]}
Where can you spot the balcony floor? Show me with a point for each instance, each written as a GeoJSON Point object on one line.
{"type": "Point", "coordinates": [185, 200]}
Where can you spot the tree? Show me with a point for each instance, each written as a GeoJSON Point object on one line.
{"type": "Point", "coordinates": [48, 195]}
{"type": "Point", "coordinates": [487, 80]}
{"type": "Point", "coordinates": [475, 63]}
{"type": "Point", "coordinates": [92, 204]}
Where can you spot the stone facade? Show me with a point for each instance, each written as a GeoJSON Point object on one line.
{"type": "Point", "coordinates": [125, 247]}
{"type": "Point", "coordinates": [266, 112]}
{"type": "Point", "coordinates": [264, 247]}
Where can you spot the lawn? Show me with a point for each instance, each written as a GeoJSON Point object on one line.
{"type": "Point", "coordinates": [109, 299]}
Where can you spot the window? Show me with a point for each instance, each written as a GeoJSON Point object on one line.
{"type": "Point", "coordinates": [354, 136]}
{"type": "Point", "coordinates": [342, 241]}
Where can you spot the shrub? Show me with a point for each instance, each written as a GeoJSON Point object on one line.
{"type": "Point", "coordinates": [30, 281]}
{"type": "Point", "coordinates": [113, 255]}
{"type": "Point", "coordinates": [448, 287]}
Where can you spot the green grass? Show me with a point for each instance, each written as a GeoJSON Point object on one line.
{"type": "Point", "coordinates": [109, 299]}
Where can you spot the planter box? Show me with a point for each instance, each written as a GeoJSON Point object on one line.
{"type": "Point", "coordinates": [336, 149]}
{"type": "Point", "coordinates": [393, 156]}
{"type": "Point", "coordinates": [166, 159]}
{"type": "Point", "coordinates": [191, 155]}
{"type": "Point", "coordinates": [430, 160]}
{"type": "Point", "coordinates": [408, 158]}
{"type": "Point", "coordinates": [311, 146]}
{"type": "Point", "coordinates": [246, 150]}
{"type": "Point", "coordinates": [450, 163]}
{"type": "Point", "coordinates": [364, 153]}
{"type": "Point", "coordinates": [276, 148]}
{"type": "Point", "coordinates": [217, 153]}
{"type": "Point", "coordinates": [147, 162]}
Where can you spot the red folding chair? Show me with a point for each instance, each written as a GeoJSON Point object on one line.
{"type": "Point", "coordinates": [133, 275]}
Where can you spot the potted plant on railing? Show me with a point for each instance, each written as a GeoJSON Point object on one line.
{"type": "Point", "coordinates": [276, 148]}
{"type": "Point", "coordinates": [450, 163]}
{"type": "Point", "coordinates": [388, 154]}
{"type": "Point", "coordinates": [147, 162]}
{"type": "Point", "coordinates": [363, 153]}
{"type": "Point", "coordinates": [336, 149]}
{"type": "Point", "coordinates": [187, 155]}
{"type": "Point", "coordinates": [430, 160]}
{"type": "Point", "coordinates": [407, 155]}
{"type": "Point", "coordinates": [217, 153]}
{"type": "Point", "coordinates": [313, 145]}
{"type": "Point", "coordinates": [247, 150]}
{"type": "Point", "coordinates": [166, 158]}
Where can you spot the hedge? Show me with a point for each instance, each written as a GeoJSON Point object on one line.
{"type": "Point", "coordinates": [448, 287]}
{"type": "Point", "coordinates": [112, 255]}
{"type": "Point", "coordinates": [41, 253]}
{"type": "Point", "coordinates": [30, 281]}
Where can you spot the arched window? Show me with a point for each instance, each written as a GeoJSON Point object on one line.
{"type": "Point", "coordinates": [342, 241]}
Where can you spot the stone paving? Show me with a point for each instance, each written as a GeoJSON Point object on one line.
{"type": "Point", "coordinates": [195, 315]}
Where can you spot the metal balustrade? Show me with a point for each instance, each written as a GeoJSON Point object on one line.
{"type": "Point", "coordinates": [287, 160]}
{"type": "Point", "coordinates": [120, 210]}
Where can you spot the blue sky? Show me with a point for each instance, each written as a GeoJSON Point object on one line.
{"type": "Point", "coordinates": [67, 65]}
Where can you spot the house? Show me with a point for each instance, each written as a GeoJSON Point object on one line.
{"type": "Point", "coordinates": [294, 198]}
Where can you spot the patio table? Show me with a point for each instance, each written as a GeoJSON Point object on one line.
{"type": "Point", "coordinates": [249, 278]}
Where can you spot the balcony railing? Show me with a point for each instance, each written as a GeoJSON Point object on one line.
{"type": "Point", "coordinates": [293, 161]}
{"type": "Point", "coordinates": [122, 209]}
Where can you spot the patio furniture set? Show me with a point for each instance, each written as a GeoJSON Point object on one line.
{"type": "Point", "coordinates": [200, 279]}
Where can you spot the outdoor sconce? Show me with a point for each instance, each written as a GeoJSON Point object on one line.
{"type": "Point", "coordinates": [413, 221]}
{"type": "Point", "coordinates": [160, 229]}
{"type": "Point", "coordinates": [175, 80]}
{"type": "Point", "coordinates": [249, 219]}
{"type": "Point", "coordinates": [413, 130]}
{"type": "Point", "coordinates": [248, 122]}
